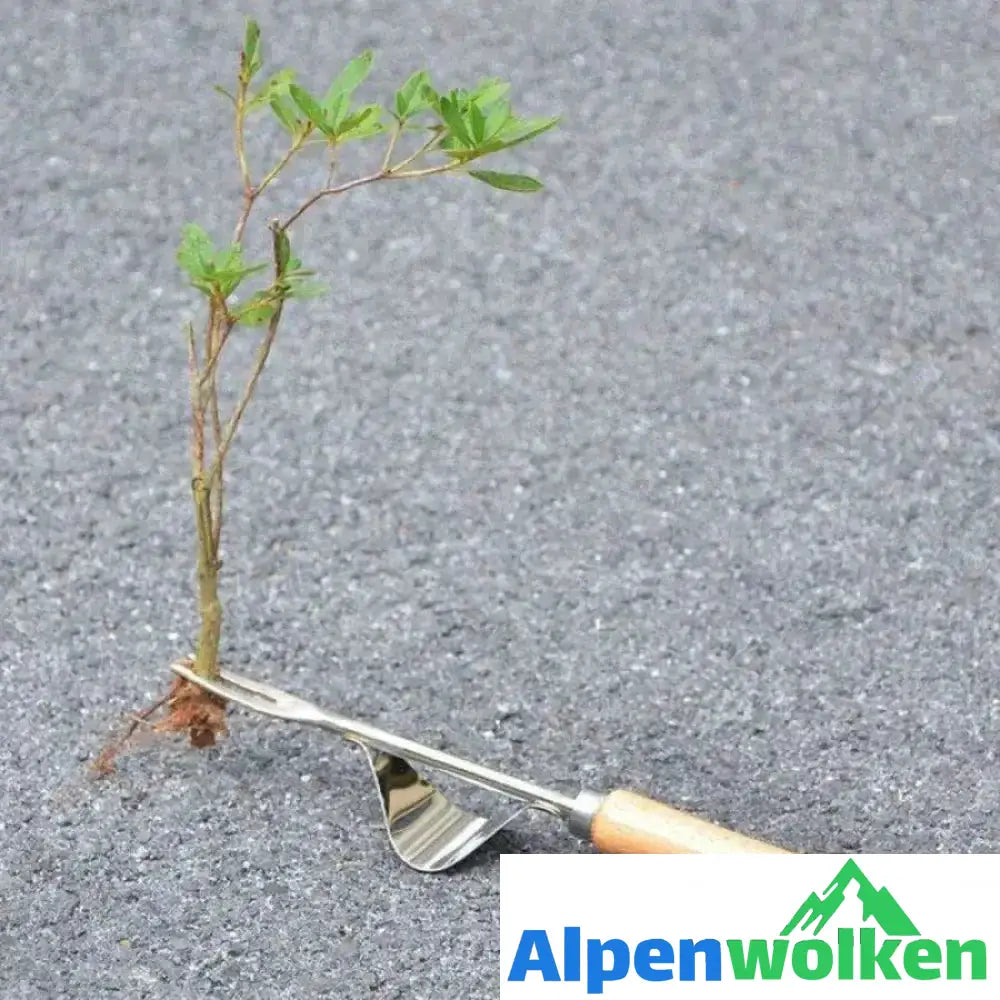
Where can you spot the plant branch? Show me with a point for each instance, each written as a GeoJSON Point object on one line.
{"type": "Point", "coordinates": [260, 360]}
{"type": "Point", "coordinates": [441, 168]}
{"type": "Point", "coordinates": [217, 329]}
{"type": "Point", "coordinates": [241, 156]}
{"type": "Point", "coordinates": [393, 139]}
{"type": "Point", "coordinates": [424, 149]}
{"type": "Point", "coordinates": [379, 175]}
{"type": "Point", "coordinates": [241, 116]}
{"type": "Point", "coordinates": [197, 424]}
{"type": "Point", "coordinates": [327, 191]}
{"type": "Point", "coordinates": [283, 162]}
{"type": "Point", "coordinates": [213, 361]}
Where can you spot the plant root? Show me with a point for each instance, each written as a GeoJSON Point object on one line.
{"type": "Point", "coordinates": [189, 709]}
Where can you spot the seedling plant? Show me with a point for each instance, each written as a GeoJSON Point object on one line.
{"type": "Point", "coordinates": [420, 134]}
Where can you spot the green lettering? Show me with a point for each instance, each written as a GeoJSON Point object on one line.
{"type": "Point", "coordinates": [758, 956]}
{"type": "Point", "coordinates": [921, 959]}
{"type": "Point", "coordinates": [845, 953]}
{"type": "Point", "coordinates": [870, 958]}
{"type": "Point", "coordinates": [975, 949]}
{"type": "Point", "coordinates": [801, 965]}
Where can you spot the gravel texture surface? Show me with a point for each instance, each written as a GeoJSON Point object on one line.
{"type": "Point", "coordinates": [681, 476]}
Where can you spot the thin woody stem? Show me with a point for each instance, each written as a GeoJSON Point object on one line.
{"type": "Point", "coordinates": [213, 361]}
{"type": "Point", "coordinates": [327, 191]}
{"type": "Point", "coordinates": [424, 149]}
{"type": "Point", "coordinates": [241, 224]}
{"type": "Point", "coordinates": [241, 156]}
{"type": "Point", "coordinates": [393, 139]}
{"type": "Point", "coordinates": [252, 192]}
{"type": "Point", "coordinates": [197, 424]}
{"type": "Point", "coordinates": [234, 421]}
{"type": "Point", "coordinates": [217, 325]}
{"type": "Point", "coordinates": [379, 175]}
{"type": "Point", "coordinates": [283, 162]}
{"type": "Point", "coordinates": [441, 168]}
{"type": "Point", "coordinates": [260, 360]}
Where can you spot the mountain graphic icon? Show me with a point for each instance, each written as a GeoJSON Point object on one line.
{"type": "Point", "coordinates": [877, 904]}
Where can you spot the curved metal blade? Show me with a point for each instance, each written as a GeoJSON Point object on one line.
{"type": "Point", "coordinates": [426, 831]}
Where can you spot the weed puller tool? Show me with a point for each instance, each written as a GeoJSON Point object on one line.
{"type": "Point", "coordinates": [430, 833]}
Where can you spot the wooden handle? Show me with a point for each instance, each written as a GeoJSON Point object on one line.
{"type": "Point", "coordinates": [627, 823]}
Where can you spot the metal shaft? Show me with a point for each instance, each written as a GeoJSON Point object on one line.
{"type": "Point", "coordinates": [528, 792]}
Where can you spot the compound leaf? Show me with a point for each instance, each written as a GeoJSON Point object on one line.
{"type": "Point", "coordinates": [415, 95]}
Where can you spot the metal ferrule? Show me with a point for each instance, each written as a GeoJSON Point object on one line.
{"type": "Point", "coordinates": [581, 817]}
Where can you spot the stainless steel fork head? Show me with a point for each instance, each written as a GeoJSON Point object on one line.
{"type": "Point", "coordinates": [427, 831]}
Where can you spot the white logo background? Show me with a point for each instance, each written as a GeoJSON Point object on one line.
{"type": "Point", "coordinates": [636, 897]}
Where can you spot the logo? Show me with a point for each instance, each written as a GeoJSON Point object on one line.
{"type": "Point", "coordinates": [879, 905]}
{"type": "Point", "coordinates": [854, 933]}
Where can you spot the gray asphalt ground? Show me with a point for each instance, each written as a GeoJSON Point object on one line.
{"type": "Point", "coordinates": [682, 475]}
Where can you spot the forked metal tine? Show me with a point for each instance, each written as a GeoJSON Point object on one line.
{"type": "Point", "coordinates": [251, 694]}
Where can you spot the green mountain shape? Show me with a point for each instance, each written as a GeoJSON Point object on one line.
{"type": "Point", "coordinates": [877, 904]}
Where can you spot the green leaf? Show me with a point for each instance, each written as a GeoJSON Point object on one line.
{"type": "Point", "coordinates": [452, 117]}
{"type": "Point", "coordinates": [498, 117]}
{"type": "Point", "coordinates": [274, 88]}
{"type": "Point", "coordinates": [231, 258]}
{"type": "Point", "coordinates": [488, 91]}
{"type": "Point", "coordinates": [251, 61]}
{"type": "Point", "coordinates": [282, 249]}
{"type": "Point", "coordinates": [284, 111]}
{"type": "Point", "coordinates": [507, 182]}
{"type": "Point", "coordinates": [512, 133]}
{"type": "Point", "coordinates": [225, 93]}
{"type": "Point", "coordinates": [361, 123]}
{"type": "Point", "coordinates": [257, 310]}
{"type": "Point", "coordinates": [477, 124]}
{"type": "Point", "coordinates": [196, 252]}
{"type": "Point", "coordinates": [310, 108]}
{"type": "Point", "coordinates": [519, 130]}
{"type": "Point", "coordinates": [415, 95]}
{"type": "Point", "coordinates": [228, 280]}
{"type": "Point", "coordinates": [305, 289]}
{"type": "Point", "coordinates": [251, 37]}
{"type": "Point", "coordinates": [336, 111]}
{"type": "Point", "coordinates": [350, 78]}
{"type": "Point", "coordinates": [212, 272]}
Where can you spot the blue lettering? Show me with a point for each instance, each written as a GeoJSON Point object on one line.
{"type": "Point", "coordinates": [654, 950]}
{"type": "Point", "coordinates": [597, 974]}
{"type": "Point", "coordinates": [525, 962]}
{"type": "Point", "coordinates": [571, 954]}
{"type": "Point", "coordinates": [711, 948]}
